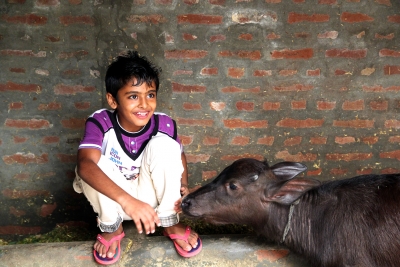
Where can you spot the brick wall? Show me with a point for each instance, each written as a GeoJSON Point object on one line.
{"type": "Point", "coordinates": [314, 81]}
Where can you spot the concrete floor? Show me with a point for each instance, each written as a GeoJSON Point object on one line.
{"type": "Point", "coordinates": [141, 250]}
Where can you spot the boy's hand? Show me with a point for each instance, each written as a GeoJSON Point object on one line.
{"type": "Point", "coordinates": [142, 214]}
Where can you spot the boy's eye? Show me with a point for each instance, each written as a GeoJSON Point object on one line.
{"type": "Point", "coordinates": [152, 95]}
{"type": "Point", "coordinates": [133, 96]}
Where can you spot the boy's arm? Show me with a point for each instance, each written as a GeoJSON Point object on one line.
{"type": "Point", "coordinates": [89, 171]}
{"type": "Point", "coordinates": [184, 179]}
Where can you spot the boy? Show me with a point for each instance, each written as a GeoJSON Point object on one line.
{"type": "Point", "coordinates": [131, 165]}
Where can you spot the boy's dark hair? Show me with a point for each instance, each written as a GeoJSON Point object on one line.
{"type": "Point", "coordinates": [127, 66]}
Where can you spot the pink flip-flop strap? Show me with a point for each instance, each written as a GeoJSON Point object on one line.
{"type": "Point", "coordinates": [106, 243]}
{"type": "Point", "coordinates": [181, 237]}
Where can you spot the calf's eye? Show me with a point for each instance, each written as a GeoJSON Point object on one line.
{"type": "Point", "coordinates": [232, 186]}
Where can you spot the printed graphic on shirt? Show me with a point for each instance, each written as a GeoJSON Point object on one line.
{"type": "Point", "coordinates": [130, 174]}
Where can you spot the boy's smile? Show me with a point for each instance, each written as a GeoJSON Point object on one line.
{"type": "Point", "coordinates": [134, 105]}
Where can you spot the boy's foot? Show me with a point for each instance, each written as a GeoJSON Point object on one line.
{"type": "Point", "coordinates": [180, 229]}
{"type": "Point", "coordinates": [102, 249]}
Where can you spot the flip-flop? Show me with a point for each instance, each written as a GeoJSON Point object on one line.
{"type": "Point", "coordinates": [107, 244]}
{"type": "Point", "coordinates": [181, 251]}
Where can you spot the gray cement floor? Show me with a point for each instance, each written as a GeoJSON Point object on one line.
{"type": "Point", "coordinates": [141, 250]}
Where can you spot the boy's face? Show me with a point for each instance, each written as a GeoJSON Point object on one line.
{"type": "Point", "coordinates": [135, 105]}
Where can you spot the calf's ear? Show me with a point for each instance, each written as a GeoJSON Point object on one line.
{"type": "Point", "coordinates": [290, 191]}
{"type": "Point", "coordinates": [287, 170]}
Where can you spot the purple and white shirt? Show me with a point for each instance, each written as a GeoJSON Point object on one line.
{"type": "Point", "coordinates": [123, 148]}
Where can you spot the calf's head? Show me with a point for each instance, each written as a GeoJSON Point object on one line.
{"type": "Point", "coordinates": [243, 191]}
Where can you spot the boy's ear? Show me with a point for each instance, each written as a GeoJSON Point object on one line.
{"type": "Point", "coordinates": [112, 102]}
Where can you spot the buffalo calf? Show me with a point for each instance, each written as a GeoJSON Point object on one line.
{"type": "Point", "coordinates": [351, 222]}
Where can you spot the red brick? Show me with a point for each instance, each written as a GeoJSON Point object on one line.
{"type": "Point", "coordinates": [391, 70]}
{"type": "Point", "coordinates": [245, 106]}
{"type": "Point", "coordinates": [299, 17]}
{"type": "Point", "coordinates": [82, 105]}
{"type": "Point", "coordinates": [188, 37]}
{"type": "Point", "coordinates": [364, 171]}
{"type": "Point", "coordinates": [355, 17]}
{"type": "Point", "coordinates": [246, 155]}
{"type": "Point", "coordinates": [17, 70]}
{"type": "Point", "coordinates": [379, 105]}
{"type": "Point", "coordinates": [50, 106]}
{"type": "Point", "coordinates": [32, 124]}
{"type": "Point", "coordinates": [23, 53]}
{"type": "Point", "coordinates": [389, 36]}
{"type": "Point", "coordinates": [267, 140]}
{"type": "Point", "coordinates": [185, 54]}
{"type": "Point", "coordinates": [28, 88]}
{"type": "Point", "coordinates": [262, 73]}
{"type": "Point", "coordinates": [250, 16]}
{"type": "Point", "coordinates": [338, 172]}
{"type": "Point", "coordinates": [217, 106]}
{"type": "Point", "coordinates": [20, 194]}
{"type": "Point", "coordinates": [271, 105]}
{"type": "Point", "coordinates": [149, 19]}
{"type": "Point", "coordinates": [182, 88]}
{"type": "Point", "coordinates": [315, 172]}
{"type": "Point", "coordinates": [384, 2]}
{"type": "Point", "coordinates": [242, 54]}
{"type": "Point", "coordinates": [209, 71]}
{"type": "Point", "coordinates": [217, 2]}
{"type": "Point", "coordinates": [240, 140]}
{"type": "Point", "coordinates": [353, 105]}
{"type": "Point", "coordinates": [305, 53]}
{"type": "Point", "coordinates": [195, 122]}
{"type": "Point", "coordinates": [25, 158]}
{"type": "Point", "coordinates": [394, 18]}
{"type": "Point", "coordinates": [394, 139]}
{"type": "Point", "coordinates": [236, 72]}
{"type": "Point", "coordinates": [78, 54]}
{"type": "Point", "coordinates": [182, 72]}
{"type": "Point", "coordinates": [390, 155]}
{"type": "Point", "coordinates": [346, 53]}
{"type": "Point", "coordinates": [73, 123]}
{"type": "Point", "coordinates": [199, 19]}
{"type": "Point", "coordinates": [191, 106]}
{"type": "Point", "coordinates": [234, 89]}
{"type": "Point", "coordinates": [348, 156]}
{"type": "Point", "coordinates": [318, 140]}
{"type": "Point", "coordinates": [210, 141]}
{"type": "Point", "coordinates": [299, 157]}
{"type": "Point", "coordinates": [339, 72]}
{"type": "Point", "coordinates": [75, 2]}
{"type": "Point", "coordinates": [301, 104]}
{"type": "Point", "coordinates": [70, 20]}
{"type": "Point", "coordinates": [341, 140]}
{"type": "Point", "coordinates": [389, 53]}
{"type": "Point", "coordinates": [370, 140]}
{"type": "Point", "coordinates": [294, 88]}
{"type": "Point", "coordinates": [15, 105]}
{"type": "Point", "coordinates": [379, 88]}
{"type": "Point", "coordinates": [390, 171]}
{"type": "Point", "coordinates": [217, 38]}
{"type": "Point", "coordinates": [50, 139]}
{"type": "Point", "coordinates": [197, 158]}
{"type": "Point", "coordinates": [19, 230]}
{"type": "Point", "coordinates": [327, 2]}
{"type": "Point", "coordinates": [62, 89]}
{"type": "Point", "coordinates": [16, 212]}
{"type": "Point", "coordinates": [66, 158]}
{"type": "Point", "coordinates": [287, 72]}
{"type": "Point", "coordinates": [307, 123]}
{"type": "Point", "coordinates": [392, 124]}
{"type": "Point", "coordinates": [24, 176]}
{"type": "Point", "coordinates": [29, 19]}
{"type": "Point", "coordinates": [71, 73]}
{"type": "Point", "coordinates": [246, 36]}
{"type": "Point", "coordinates": [238, 123]}
{"type": "Point", "coordinates": [163, 2]}
{"type": "Point", "coordinates": [328, 35]}
{"type": "Point", "coordinates": [186, 140]}
{"type": "Point", "coordinates": [292, 141]}
{"type": "Point", "coordinates": [47, 209]}
{"type": "Point", "coordinates": [273, 36]}
{"type": "Point", "coordinates": [326, 105]}
{"type": "Point", "coordinates": [271, 255]}
{"type": "Point", "coordinates": [19, 139]}
{"type": "Point", "coordinates": [354, 123]}
{"type": "Point", "coordinates": [207, 175]}
{"type": "Point", "coordinates": [47, 3]}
